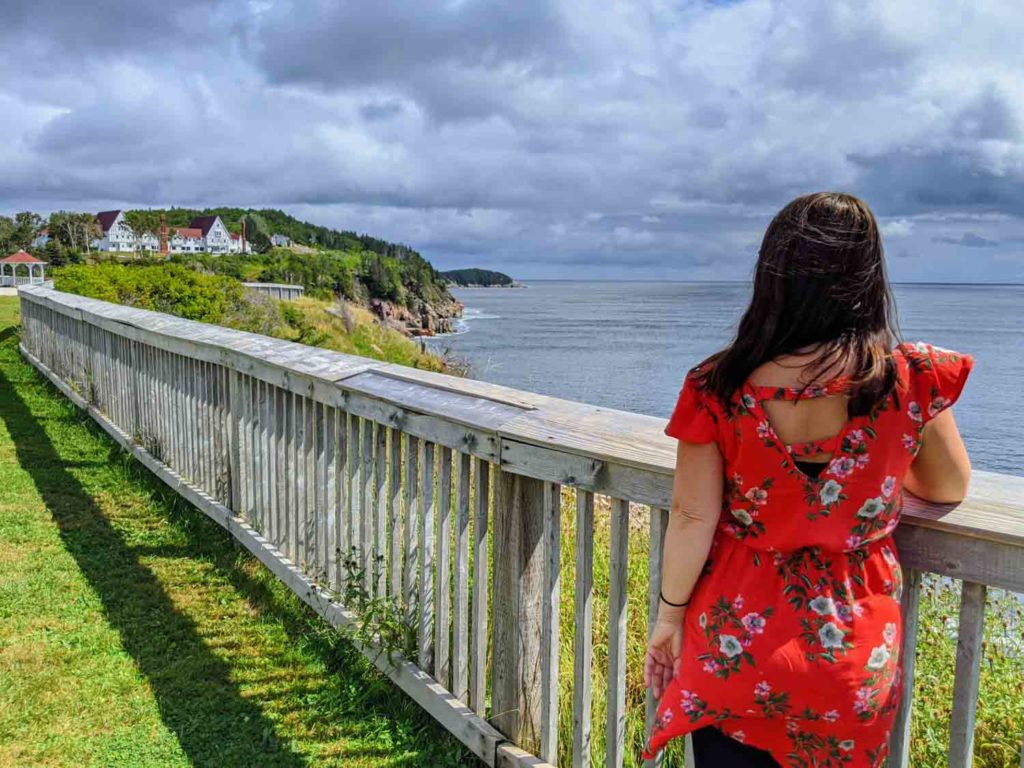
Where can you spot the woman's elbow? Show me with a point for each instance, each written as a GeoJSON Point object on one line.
{"type": "Point", "coordinates": [692, 515]}
{"type": "Point", "coordinates": [948, 488]}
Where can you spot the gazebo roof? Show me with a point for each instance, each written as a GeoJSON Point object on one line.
{"type": "Point", "coordinates": [21, 258]}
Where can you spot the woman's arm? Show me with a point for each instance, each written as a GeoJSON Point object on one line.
{"type": "Point", "coordinates": [941, 469]}
{"type": "Point", "coordinates": [696, 505]}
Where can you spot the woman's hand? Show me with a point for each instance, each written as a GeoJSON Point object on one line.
{"type": "Point", "coordinates": [662, 660]}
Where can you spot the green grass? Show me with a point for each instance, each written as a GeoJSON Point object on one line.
{"type": "Point", "coordinates": [134, 633]}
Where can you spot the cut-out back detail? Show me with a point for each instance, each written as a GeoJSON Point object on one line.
{"type": "Point", "coordinates": [834, 386]}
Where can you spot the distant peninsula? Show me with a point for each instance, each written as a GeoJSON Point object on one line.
{"type": "Point", "coordinates": [479, 278]}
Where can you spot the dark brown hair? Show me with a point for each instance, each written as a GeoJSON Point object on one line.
{"type": "Point", "coordinates": [820, 280]}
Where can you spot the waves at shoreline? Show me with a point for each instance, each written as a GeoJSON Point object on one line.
{"type": "Point", "coordinates": [462, 324]}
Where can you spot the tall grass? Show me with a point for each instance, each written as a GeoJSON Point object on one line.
{"type": "Point", "coordinates": [1000, 719]}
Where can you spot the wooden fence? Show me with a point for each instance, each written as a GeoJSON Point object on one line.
{"type": "Point", "coordinates": [280, 291]}
{"type": "Point", "coordinates": [448, 490]}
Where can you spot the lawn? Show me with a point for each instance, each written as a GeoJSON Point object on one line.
{"type": "Point", "coordinates": [134, 633]}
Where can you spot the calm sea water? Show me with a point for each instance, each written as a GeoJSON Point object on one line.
{"type": "Point", "coordinates": [628, 345]}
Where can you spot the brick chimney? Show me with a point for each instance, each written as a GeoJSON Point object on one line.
{"type": "Point", "coordinates": [244, 249]}
{"type": "Point", "coordinates": [164, 249]}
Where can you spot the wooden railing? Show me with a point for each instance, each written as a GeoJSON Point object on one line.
{"type": "Point", "coordinates": [454, 488]}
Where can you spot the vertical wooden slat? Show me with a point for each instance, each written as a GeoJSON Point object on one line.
{"type": "Point", "coordinates": [319, 504]}
{"type": "Point", "coordinates": [366, 510]}
{"type": "Point", "coordinates": [311, 481]}
{"type": "Point", "coordinates": [517, 607]}
{"type": "Point", "coordinates": [443, 584]}
{"type": "Point", "coordinates": [236, 439]}
{"type": "Point", "coordinates": [341, 527]}
{"type": "Point", "coordinates": [329, 512]}
{"type": "Point", "coordinates": [280, 482]}
{"type": "Point", "coordinates": [380, 548]}
{"type": "Point", "coordinates": [293, 439]}
{"type": "Point", "coordinates": [352, 519]}
{"type": "Point", "coordinates": [968, 671]}
{"type": "Point", "coordinates": [659, 523]}
{"type": "Point", "coordinates": [478, 641]}
{"type": "Point", "coordinates": [616, 724]}
{"type": "Point", "coordinates": [460, 619]}
{"type": "Point", "coordinates": [899, 753]}
{"type": "Point", "coordinates": [426, 578]}
{"type": "Point", "coordinates": [584, 627]}
{"type": "Point", "coordinates": [550, 621]}
{"type": "Point", "coordinates": [410, 532]}
{"type": "Point", "coordinates": [395, 514]}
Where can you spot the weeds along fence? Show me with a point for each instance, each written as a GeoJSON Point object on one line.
{"type": "Point", "coordinates": [434, 506]}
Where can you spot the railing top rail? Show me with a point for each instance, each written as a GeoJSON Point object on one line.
{"type": "Point", "coordinates": [600, 448]}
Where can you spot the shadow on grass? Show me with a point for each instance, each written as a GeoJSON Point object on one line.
{"type": "Point", "coordinates": [198, 702]}
{"type": "Point", "coordinates": [214, 724]}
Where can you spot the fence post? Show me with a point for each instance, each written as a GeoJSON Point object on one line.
{"type": "Point", "coordinates": [518, 564]}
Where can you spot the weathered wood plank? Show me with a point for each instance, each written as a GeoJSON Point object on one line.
{"type": "Point", "coordinates": [319, 505]}
{"type": "Point", "coordinates": [583, 630]}
{"type": "Point", "coordinates": [516, 697]}
{"type": "Point", "coordinates": [428, 509]}
{"type": "Point", "coordinates": [410, 531]}
{"type": "Point", "coordinates": [460, 618]}
{"type": "Point", "coordinates": [443, 582]}
{"type": "Point", "coordinates": [367, 513]}
{"type": "Point", "coordinates": [550, 631]}
{"type": "Point", "coordinates": [910, 601]}
{"type": "Point", "coordinates": [280, 481]}
{"type": "Point", "coordinates": [617, 596]}
{"type": "Point", "coordinates": [658, 526]}
{"type": "Point", "coordinates": [478, 621]}
{"type": "Point", "coordinates": [352, 554]}
{"type": "Point", "coordinates": [968, 672]}
{"type": "Point", "coordinates": [395, 520]}
{"type": "Point", "coordinates": [380, 524]}
{"type": "Point", "coordinates": [342, 489]}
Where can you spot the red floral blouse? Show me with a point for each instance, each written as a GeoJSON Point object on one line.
{"type": "Point", "coordinates": [792, 637]}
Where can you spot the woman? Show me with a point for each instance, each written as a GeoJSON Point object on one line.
{"type": "Point", "coordinates": [778, 636]}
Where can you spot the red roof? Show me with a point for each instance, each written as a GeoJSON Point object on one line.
{"type": "Point", "coordinates": [189, 231]}
{"type": "Point", "coordinates": [107, 219]}
{"type": "Point", "coordinates": [21, 258]}
{"type": "Point", "coordinates": [235, 237]}
{"type": "Point", "coordinates": [204, 223]}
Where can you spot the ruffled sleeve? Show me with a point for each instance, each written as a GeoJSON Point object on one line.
{"type": "Point", "coordinates": [937, 378]}
{"type": "Point", "coordinates": [693, 420]}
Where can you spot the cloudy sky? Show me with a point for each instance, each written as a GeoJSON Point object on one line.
{"type": "Point", "coordinates": [546, 138]}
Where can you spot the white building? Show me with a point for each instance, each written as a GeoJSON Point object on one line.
{"type": "Point", "coordinates": [216, 238]}
{"type": "Point", "coordinates": [206, 234]}
{"type": "Point", "coordinates": [147, 241]}
{"type": "Point", "coordinates": [187, 240]}
{"type": "Point", "coordinates": [117, 237]}
{"type": "Point", "coordinates": [280, 241]}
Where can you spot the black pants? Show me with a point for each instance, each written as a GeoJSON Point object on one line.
{"type": "Point", "coordinates": [713, 749]}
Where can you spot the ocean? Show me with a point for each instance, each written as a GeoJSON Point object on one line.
{"type": "Point", "coordinates": [627, 345]}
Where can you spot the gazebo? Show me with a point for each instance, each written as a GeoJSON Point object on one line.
{"type": "Point", "coordinates": [36, 270]}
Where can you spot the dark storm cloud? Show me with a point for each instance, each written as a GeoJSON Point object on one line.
{"type": "Point", "coordinates": [645, 138]}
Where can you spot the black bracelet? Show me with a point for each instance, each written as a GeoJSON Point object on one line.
{"type": "Point", "coordinates": [668, 602]}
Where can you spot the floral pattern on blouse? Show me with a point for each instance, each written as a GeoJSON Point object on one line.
{"type": "Point", "coordinates": [792, 636]}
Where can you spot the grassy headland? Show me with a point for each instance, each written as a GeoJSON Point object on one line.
{"type": "Point", "coordinates": [185, 292]}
